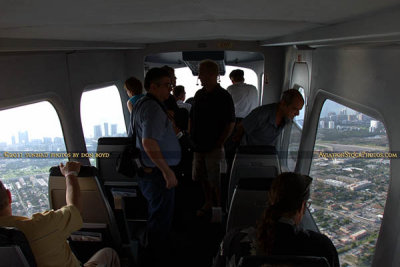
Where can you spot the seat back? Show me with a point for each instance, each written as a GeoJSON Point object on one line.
{"type": "Point", "coordinates": [96, 210]}
{"type": "Point", "coordinates": [15, 249]}
{"type": "Point", "coordinates": [248, 202]}
{"type": "Point", "coordinates": [253, 161]}
{"type": "Point", "coordinates": [287, 261]}
{"type": "Point", "coordinates": [114, 146]}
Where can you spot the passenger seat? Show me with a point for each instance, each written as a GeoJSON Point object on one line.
{"type": "Point", "coordinates": [114, 146]}
{"type": "Point", "coordinates": [253, 161]}
{"type": "Point", "coordinates": [15, 249]}
{"type": "Point", "coordinates": [248, 202]}
{"type": "Point", "coordinates": [96, 212]}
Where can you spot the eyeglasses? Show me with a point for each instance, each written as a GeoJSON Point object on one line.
{"type": "Point", "coordinates": [168, 85]}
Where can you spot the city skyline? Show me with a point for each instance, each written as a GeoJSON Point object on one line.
{"type": "Point", "coordinates": [23, 136]}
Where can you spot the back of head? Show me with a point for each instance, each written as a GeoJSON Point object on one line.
{"type": "Point", "coordinates": [154, 75]}
{"type": "Point", "coordinates": [237, 75]}
{"type": "Point", "coordinates": [170, 70]}
{"type": "Point", "coordinates": [171, 73]}
{"type": "Point", "coordinates": [209, 66]}
{"type": "Point", "coordinates": [286, 196]}
{"type": "Point", "coordinates": [178, 90]}
{"type": "Point", "coordinates": [134, 86]}
{"type": "Point", "coordinates": [3, 197]}
{"type": "Point", "coordinates": [290, 95]}
{"type": "Point", "coordinates": [289, 190]}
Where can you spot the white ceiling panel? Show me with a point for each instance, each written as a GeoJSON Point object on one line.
{"type": "Point", "coordinates": [162, 21]}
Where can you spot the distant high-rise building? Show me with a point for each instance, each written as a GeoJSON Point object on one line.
{"type": "Point", "coordinates": [331, 125]}
{"type": "Point", "coordinates": [47, 140]}
{"type": "Point", "coordinates": [373, 126]}
{"type": "Point", "coordinates": [97, 131]}
{"type": "Point", "coordinates": [3, 145]}
{"type": "Point", "coordinates": [113, 129]}
{"type": "Point", "coordinates": [322, 124]}
{"type": "Point", "coordinates": [23, 137]}
{"type": "Point", "coordinates": [374, 123]}
{"type": "Point", "coordinates": [343, 112]}
{"type": "Point", "coordinates": [36, 142]}
{"type": "Point", "coordinates": [105, 129]}
{"type": "Point", "coordinates": [332, 116]}
{"type": "Point", "coordinates": [13, 140]}
{"type": "Point", "coordinates": [58, 140]}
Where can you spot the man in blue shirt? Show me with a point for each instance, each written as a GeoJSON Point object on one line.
{"type": "Point", "coordinates": [160, 150]}
{"type": "Point", "coordinates": [264, 124]}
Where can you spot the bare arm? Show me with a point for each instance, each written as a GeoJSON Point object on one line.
{"type": "Point", "coordinates": [130, 106]}
{"type": "Point", "coordinates": [225, 134]}
{"type": "Point", "coordinates": [152, 149]}
{"type": "Point", "coordinates": [72, 192]}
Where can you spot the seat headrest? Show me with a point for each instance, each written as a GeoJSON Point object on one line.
{"type": "Point", "coordinates": [115, 141]}
{"type": "Point", "coordinates": [86, 171]}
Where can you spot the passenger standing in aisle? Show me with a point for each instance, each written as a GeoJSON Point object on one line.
{"type": "Point", "coordinates": [212, 119]}
{"type": "Point", "coordinates": [245, 96]}
{"type": "Point", "coordinates": [160, 151]}
{"type": "Point", "coordinates": [264, 124]}
{"type": "Point", "coordinates": [134, 91]}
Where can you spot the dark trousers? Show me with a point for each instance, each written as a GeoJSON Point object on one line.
{"type": "Point", "coordinates": [160, 207]}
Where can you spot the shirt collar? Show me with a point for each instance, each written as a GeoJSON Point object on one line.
{"type": "Point", "coordinates": [272, 118]}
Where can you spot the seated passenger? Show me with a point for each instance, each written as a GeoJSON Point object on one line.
{"type": "Point", "coordinates": [278, 232]}
{"type": "Point", "coordinates": [180, 95]}
{"type": "Point", "coordinates": [264, 124]}
{"type": "Point", "coordinates": [47, 232]}
{"type": "Point", "coordinates": [134, 90]}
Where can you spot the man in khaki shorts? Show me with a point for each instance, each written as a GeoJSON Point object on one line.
{"type": "Point", "coordinates": [212, 119]}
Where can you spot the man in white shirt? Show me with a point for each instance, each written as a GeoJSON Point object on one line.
{"type": "Point", "coordinates": [245, 96]}
{"type": "Point", "coordinates": [180, 95]}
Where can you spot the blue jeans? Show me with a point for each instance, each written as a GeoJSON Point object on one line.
{"type": "Point", "coordinates": [160, 207]}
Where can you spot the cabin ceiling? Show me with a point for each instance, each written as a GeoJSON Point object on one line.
{"type": "Point", "coordinates": [135, 23]}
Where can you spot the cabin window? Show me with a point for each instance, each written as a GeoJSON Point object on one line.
{"type": "Point", "coordinates": [185, 77]}
{"type": "Point", "coordinates": [295, 136]}
{"type": "Point", "coordinates": [31, 141]}
{"type": "Point", "coordinates": [101, 116]}
{"type": "Point", "coordinates": [350, 168]}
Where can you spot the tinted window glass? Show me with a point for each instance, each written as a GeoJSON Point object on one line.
{"type": "Point", "coordinates": [351, 174]}
{"type": "Point", "coordinates": [31, 141]}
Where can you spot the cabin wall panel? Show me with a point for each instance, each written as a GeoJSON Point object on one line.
{"type": "Point", "coordinates": [273, 73]}
{"type": "Point", "coordinates": [135, 64]}
{"type": "Point", "coordinates": [26, 77]}
{"type": "Point", "coordinates": [89, 70]}
{"type": "Point", "coordinates": [95, 68]}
